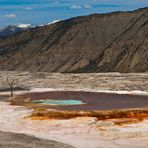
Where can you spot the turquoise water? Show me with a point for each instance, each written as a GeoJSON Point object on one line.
{"type": "Point", "coordinates": [58, 102]}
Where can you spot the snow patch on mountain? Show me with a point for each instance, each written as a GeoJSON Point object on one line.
{"type": "Point", "coordinates": [53, 22]}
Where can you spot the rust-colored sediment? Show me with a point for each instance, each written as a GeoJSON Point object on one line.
{"type": "Point", "coordinates": [118, 117]}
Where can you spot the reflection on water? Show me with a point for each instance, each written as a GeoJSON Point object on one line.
{"type": "Point", "coordinates": [59, 102]}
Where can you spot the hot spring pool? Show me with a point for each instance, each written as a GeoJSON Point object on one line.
{"type": "Point", "coordinates": [58, 102]}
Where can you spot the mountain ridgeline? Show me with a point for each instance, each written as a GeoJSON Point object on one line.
{"type": "Point", "coordinates": [12, 29]}
{"type": "Point", "coordinates": [113, 42]}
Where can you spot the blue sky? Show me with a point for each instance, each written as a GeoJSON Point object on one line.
{"type": "Point", "coordinates": [45, 11]}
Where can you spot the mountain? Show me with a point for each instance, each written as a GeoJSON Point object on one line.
{"type": "Point", "coordinates": [12, 29]}
{"type": "Point", "coordinates": [9, 30]}
{"type": "Point", "coordinates": [113, 42]}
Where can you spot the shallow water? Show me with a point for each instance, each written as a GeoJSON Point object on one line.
{"type": "Point", "coordinates": [72, 100]}
{"type": "Point", "coordinates": [58, 102]}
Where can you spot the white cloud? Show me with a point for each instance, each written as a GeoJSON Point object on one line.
{"type": "Point", "coordinates": [11, 15]}
{"type": "Point", "coordinates": [86, 6]}
{"type": "Point", "coordinates": [75, 7]}
{"type": "Point", "coordinates": [28, 8]}
{"type": "Point", "coordinates": [24, 25]}
{"type": "Point", "coordinates": [56, 2]}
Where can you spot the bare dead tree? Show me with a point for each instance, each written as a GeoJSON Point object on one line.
{"type": "Point", "coordinates": [11, 83]}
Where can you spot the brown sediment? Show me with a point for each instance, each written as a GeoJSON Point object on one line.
{"type": "Point", "coordinates": [119, 117]}
{"type": "Point", "coordinates": [4, 97]}
{"type": "Point", "coordinates": [129, 120]}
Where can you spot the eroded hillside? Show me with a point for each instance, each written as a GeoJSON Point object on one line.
{"type": "Point", "coordinates": [96, 43]}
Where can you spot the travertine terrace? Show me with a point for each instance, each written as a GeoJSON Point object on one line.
{"type": "Point", "coordinates": [123, 83]}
